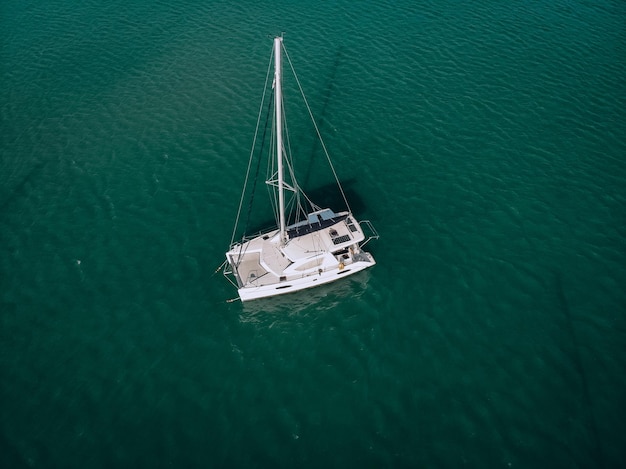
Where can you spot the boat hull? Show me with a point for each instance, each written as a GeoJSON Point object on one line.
{"type": "Point", "coordinates": [309, 281]}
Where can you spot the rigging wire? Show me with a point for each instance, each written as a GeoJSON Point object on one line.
{"type": "Point", "coordinates": [319, 135]}
{"type": "Point", "coordinates": [258, 165]}
{"type": "Point", "coordinates": [256, 132]}
{"type": "Point", "coordinates": [295, 200]}
{"type": "Point", "coordinates": [256, 178]}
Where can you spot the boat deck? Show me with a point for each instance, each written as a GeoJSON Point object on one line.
{"type": "Point", "coordinates": [319, 246]}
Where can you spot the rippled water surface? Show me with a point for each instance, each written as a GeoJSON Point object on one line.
{"type": "Point", "coordinates": [486, 142]}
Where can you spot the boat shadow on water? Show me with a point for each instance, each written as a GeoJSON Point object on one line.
{"type": "Point", "coordinates": [326, 195]}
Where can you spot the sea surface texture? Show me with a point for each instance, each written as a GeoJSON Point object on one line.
{"type": "Point", "coordinates": [486, 142]}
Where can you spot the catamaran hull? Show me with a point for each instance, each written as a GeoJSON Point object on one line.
{"type": "Point", "coordinates": [310, 281]}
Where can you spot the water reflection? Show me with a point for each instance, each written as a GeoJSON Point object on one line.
{"type": "Point", "coordinates": [306, 303]}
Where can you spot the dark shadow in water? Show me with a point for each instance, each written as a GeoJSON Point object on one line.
{"type": "Point", "coordinates": [588, 404]}
{"type": "Point", "coordinates": [321, 117]}
{"type": "Point", "coordinates": [325, 196]}
{"type": "Point", "coordinates": [328, 195]}
{"type": "Point", "coordinates": [328, 92]}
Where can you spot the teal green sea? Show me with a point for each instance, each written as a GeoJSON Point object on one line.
{"type": "Point", "coordinates": [486, 141]}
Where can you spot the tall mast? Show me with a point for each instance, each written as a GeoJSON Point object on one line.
{"type": "Point", "coordinates": [279, 134]}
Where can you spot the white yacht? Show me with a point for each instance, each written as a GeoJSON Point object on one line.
{"type": "Point", "coordinates": [309, 245]}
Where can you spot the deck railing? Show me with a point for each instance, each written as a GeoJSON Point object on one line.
{"type": "Point", "coordinates": [373, 234]}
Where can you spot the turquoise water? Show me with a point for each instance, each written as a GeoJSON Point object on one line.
{"type": "Point", "coordinates": [485, 141]}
